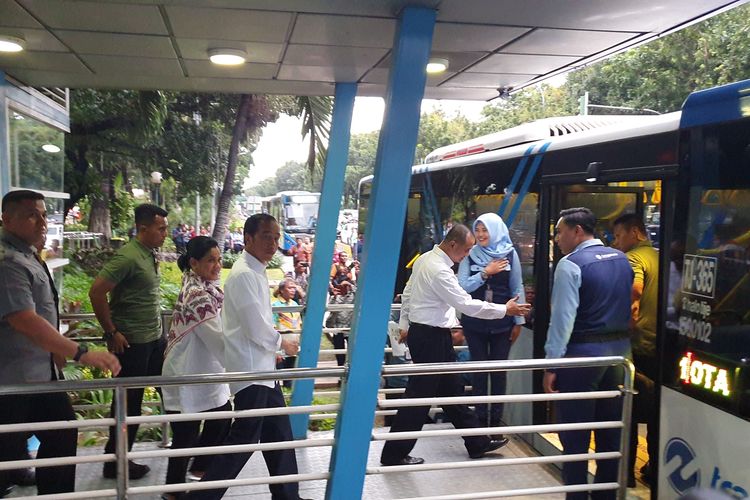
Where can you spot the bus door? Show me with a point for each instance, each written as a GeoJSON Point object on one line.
{"type": "Point", "coordinates": [608, 202]}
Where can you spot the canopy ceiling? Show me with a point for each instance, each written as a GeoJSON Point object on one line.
{"type": "Point", "coordinates": [302, 47]}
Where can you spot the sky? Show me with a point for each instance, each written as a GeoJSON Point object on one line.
{"type": "Point", "coordinates": [282, 142]}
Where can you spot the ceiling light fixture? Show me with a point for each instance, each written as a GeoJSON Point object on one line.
{"type": "Point", "coordinates": [437, 65]}
{"type": "Point", "coordinates": [227, 57]}
{"type": "Point", "coordinates": [11, 43]}
{"type": "Point", "coordinates": [51, 148]}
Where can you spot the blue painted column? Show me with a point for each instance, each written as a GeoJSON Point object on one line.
{"type": "Point", "coordinates": [4, 139]}
{"type": "Point", "coordinates": [385, 222]}
{"type": "Point", "coordinates": [325, 237]}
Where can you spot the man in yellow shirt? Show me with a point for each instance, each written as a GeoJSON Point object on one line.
{"type": "Point", "coordinates": [631, 238]}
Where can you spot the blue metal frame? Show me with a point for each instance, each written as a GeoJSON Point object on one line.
{"type": "Point", "coordinates": [514, 180]}
{"type": "Point", "coordinates": [4, 142]}
{"type": "Point", "coordinates": [397, 142]}
{"type": "Point", "coordinates": [325, 237]}
{"type": "Point", "coordinates": [526, 183]}
{"type": "Point", "coordinates": [434, 208]}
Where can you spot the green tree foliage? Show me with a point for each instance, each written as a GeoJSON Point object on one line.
{"type": "Point", "coordinates": [292, 176]}
{"type": "Point", "coordinates": [534, 103]}
{"type": "Point", "coordinates": [661, 74]}
{"type": "Point", "coordinates": [437, 130]}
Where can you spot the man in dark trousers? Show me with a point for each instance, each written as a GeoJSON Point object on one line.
{"type": "Point", "coordinates": [131, 317]}
{"type": "Point", "coordinates": [590, 316]}
{"type": "Point", "coordinates": [428, 311]}
{"type": "Point", "coordinates": [32, 343]}
{"type": "Point", "coordinates": [631, 238]}
{"type": "Point", "coordinates": [250, 345]}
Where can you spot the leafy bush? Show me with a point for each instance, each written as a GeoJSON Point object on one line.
{"type": "Point", "coordinates": [275, 262]}
{"type": "Point", "coordinates": [91, 260]}
{"type": "Point", "coordinates": [77, 227]}
{"type": "Point", "coordinates": [228, 259]}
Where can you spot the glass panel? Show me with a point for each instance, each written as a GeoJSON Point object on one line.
{"type": "Point", "coordinates": [606, 206]}
{"type": "Point", "coordinates": [36, 154]}
{"type": "Point", "coordinates": [708, 304]}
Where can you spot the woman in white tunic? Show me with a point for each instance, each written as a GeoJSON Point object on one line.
{"type": "Point", "coordinates": [196, 345]}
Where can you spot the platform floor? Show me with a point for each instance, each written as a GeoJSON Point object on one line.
{"type": "Point", "coordinates": [378, 487]}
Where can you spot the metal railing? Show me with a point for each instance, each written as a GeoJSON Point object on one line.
{"type": "Point", "coordinates": [121, 421]}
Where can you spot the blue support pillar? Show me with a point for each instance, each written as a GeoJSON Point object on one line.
{"type": "Point", "coordinates": [398, 139]}
{"type": "Point", "coordinates": [325, 237]}
{"type": "Point", "coordinates": [4, 141]}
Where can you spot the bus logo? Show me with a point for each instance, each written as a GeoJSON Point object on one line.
{"type": "Point", "coordinates": [682, 477]}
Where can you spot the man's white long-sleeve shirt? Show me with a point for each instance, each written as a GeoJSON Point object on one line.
{"type": "Point", "coordinates": [250, 340]}
{"type": "Point", "coordinates": [432, 296]}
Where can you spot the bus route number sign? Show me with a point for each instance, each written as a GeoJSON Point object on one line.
{"type": "Point", "coordinates": [699, 275]}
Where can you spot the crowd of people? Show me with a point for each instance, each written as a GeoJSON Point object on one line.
{"type": "Point", "coordinates": [599, 297]}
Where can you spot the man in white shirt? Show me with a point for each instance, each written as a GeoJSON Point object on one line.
{"type": "Point", "coordinates": [250, 345]}
{"type": "Point", "coordinates": [428, 310]}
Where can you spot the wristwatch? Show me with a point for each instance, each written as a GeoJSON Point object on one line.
{"type": "Point", "coordinates": [109, 335]}
{"type": "Point", "coordinates": [484, 276]}
{"type": "Point", "coordinates": [82, 349]}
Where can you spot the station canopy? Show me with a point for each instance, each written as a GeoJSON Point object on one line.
{"type": "Point", "coordinates": [302, 47]}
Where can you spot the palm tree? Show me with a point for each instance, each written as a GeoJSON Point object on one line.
{"type": "Point", "coordinates": [255, 112]}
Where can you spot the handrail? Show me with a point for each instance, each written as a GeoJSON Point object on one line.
{"type": "Point", "coordinates": [301, 373]}
{"type": "Point", "coordinates": [122, 421]}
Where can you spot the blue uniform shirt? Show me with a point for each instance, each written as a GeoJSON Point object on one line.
{"type": "Point", "coordinates": [591, 293]}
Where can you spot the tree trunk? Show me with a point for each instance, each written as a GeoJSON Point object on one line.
{"type": "Point", "coordinates": [239, 132]}
{"type": "Point", "coordinates": [100, 220]}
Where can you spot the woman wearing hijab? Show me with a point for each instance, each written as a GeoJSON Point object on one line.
{"type": "Point", "coordinates": [491, 272]}
{"type": "Point", "coordinates": [196, 345]}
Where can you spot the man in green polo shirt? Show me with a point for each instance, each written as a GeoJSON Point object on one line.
{"type": "Point", "coordinates": [631, 238]}
{"type": "Point", "coordinates": [130, 318]}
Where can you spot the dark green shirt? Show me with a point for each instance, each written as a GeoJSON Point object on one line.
{"type": "Point", "coordinates": [134, 302]}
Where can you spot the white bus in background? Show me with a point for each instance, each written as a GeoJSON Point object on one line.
{"type": "Point", "coordinates": [253, 204]}
{"type": "Point", "coordinates": [296, 211]}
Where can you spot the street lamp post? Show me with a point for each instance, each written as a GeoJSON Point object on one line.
{"type": "Point", "coordinates": [156, 187]}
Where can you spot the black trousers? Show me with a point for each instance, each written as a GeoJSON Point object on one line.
{"type": "Point", "coordinates": [429, 344]}
{"type": "Point", "coordinates": [53, 443]}
{"type": "Point", "coordinates": [484, 345]}
{"type": "Point", "coordinates": [644, 410]}
{"type": "Point", "coordinates": [138, 360]}
{"type": "Point", "coordinates": [255, 430]}
{"type": "Point", "coordinates": [339, 342]}
{"type": "Point", "coordinates": [188, 435]}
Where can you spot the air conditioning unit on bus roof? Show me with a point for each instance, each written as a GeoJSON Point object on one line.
{"type": "Point", "coordinates": [531, 132]}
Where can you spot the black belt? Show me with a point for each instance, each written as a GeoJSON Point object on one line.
{"type": "Point", "coordinates": [597, 337]}
{"type": "Point", "coordinates": [422, 325]}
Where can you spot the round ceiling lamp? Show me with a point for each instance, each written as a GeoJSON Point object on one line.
{"type": "Point", "coordinates": [11, 43]}
{"type": "Point", "coordinates": [227, 57]}
{"type": "Point", "coordinates": [436, 65]}
{"type": "Point", "coordinates": [51, 148]}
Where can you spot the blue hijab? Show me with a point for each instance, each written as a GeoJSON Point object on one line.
{"type": "Point", "coordinates": [499, 246]}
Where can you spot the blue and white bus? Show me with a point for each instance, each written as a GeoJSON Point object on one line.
{"type": "Point", "coordinates": [688, 176]}
{"type": "Point", "coordinates": [296, 211]}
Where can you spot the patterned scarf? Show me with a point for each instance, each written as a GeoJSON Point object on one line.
{"type": "Point", "coordinates": [199, 301]}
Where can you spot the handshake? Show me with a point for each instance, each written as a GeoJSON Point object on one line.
{"type": "Point", "coordinates": [513, 308]}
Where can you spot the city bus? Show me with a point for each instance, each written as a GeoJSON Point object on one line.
{"type": "Point", "coordinates": [296, 211]}
{"type": "Point", "coordinates": [687, 174]}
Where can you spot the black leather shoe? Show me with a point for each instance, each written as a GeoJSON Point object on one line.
{"type": "Point", "coordinates": [135, 471]}
{"type": "Point", "coordinates": [5, 489]}
{"type": "Point", "coordinates": [407, 460]}
{"type": "Point", "coordinates": [22, 477]}
{"type": "Point", "coordinates": [493, 445]}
